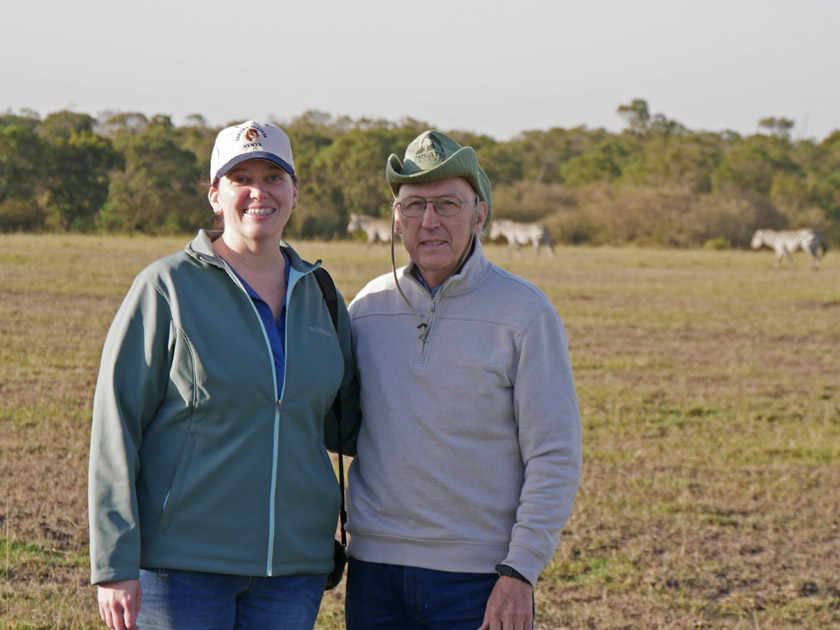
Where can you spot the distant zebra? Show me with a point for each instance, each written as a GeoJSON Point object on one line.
{"type": "Point", "coordinates": [785, 242]}
{"type": "Point", "coordinates": [522, 234]}
{"type": "Point", "coordinates": [377, 230]}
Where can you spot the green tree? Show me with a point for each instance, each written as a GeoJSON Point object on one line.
{"type": "Point", "coordinates": [62, 125]}
{"type": "Point", "coordinates": [684, 160]}
{"type": "Point", "coordinates": [78, 168]}
{"type": "Point", "coordinates": [750, 165]}
{"type": "Point", "coordinates": [641, 121]}
{"type": "Point", "coordinates": [660, 124]}
{"type": "Point", "coordinates": [542, 153]}
{"type": "Point", "coordinates": [113, 124]}
{"type": "Point", "coordinates": [346, 177]}
{"type": "Point", "coordinates": [780, 127]}
{"type": "Point", "coordinates": [22, 178]}
{"type": "Point", "coordinates": [501, 161]}
{"type": "Point", "coordinates": [824, 176]}
{"type": "Point", "coordinates": [602, 163]}
{"type": "Point", "coordinates": [826, 193]}
{"type": "Point", "coordinates": [198, 139]}
{"type": "Point", "coordinates": [26, 118]}
{"type": "Point", "coordinates": [21, 158]}
{"type": "Point", "coordinates": [637, 115]}
{"type": "Point", "coordinates": [310, 133]}
{"type": "Point", "coordinates": [158, 191]}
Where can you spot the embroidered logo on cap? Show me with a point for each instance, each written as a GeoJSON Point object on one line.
{"type": "Point", "coordinates": [251, 136]}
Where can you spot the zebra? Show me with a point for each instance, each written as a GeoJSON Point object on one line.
{"type": "Point", "coordinates": [785, 242]}
{"type": "Point", "coordinates": [377, 230]}
{"type": "Point", "coordinates": [521, 234]}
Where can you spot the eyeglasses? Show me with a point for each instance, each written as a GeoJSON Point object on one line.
{"type": "Point", "coordinates": [444, 206]}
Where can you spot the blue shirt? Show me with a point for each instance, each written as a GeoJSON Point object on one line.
{"type": "Point", "coordinates": [275, 329]}
{"type": "Point", "coordinates": [416, 273]}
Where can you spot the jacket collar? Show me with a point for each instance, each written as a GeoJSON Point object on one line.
{"type": "Point", "coordinates": [201, 248]}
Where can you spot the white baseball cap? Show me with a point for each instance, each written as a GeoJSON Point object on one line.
{"type": "Point", "coordinates": [250, 141]}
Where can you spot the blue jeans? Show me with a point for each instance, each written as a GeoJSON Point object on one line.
{"type": "Point", "coordinates": [387, 596]}
{"type": "Point", "coordinates": [190, 600]}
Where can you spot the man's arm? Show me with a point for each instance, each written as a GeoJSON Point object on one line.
{"type": "Point", "coordinates": [549, 433]}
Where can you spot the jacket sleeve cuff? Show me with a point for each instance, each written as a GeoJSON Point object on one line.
{"type": "Point", "coordinates": [98, 576]}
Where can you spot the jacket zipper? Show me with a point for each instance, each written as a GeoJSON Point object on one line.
{"type": "Point", "coordinates": [277, 413]}
{"type": "Point", "coordinates": [278, 407]}
{"type": "Point", "coordinates": [277, 410]}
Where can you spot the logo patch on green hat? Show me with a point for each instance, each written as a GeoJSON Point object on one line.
{"type": "Point", "coordinates": [430, 151]}
{"type": "Point", "coordinates": [433, 155]}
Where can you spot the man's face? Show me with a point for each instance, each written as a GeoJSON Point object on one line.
{"type": "Point", "coordinates": [434, 242]}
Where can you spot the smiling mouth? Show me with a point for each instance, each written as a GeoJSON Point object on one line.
{"type": "Point", "coordinates": [259, 212]}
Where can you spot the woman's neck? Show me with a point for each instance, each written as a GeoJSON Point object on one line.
{"type": "Point", "coordinates": [264, 271]}
{"type": "Point", "coordinates": [255, 257]}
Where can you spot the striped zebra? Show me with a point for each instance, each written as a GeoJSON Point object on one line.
{"type": "Point", "coordinates": [522, 234]}
{"type": "Point", "coordinates": [377, 230]}
{"type": "Point", "coordinates": [786, 242]}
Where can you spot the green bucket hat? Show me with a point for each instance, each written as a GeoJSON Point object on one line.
{"type": "Point", "coordinates": [433, 155]}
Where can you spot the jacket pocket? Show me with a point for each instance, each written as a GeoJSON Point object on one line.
{"type": "Point", "coordinates": [170, 502]}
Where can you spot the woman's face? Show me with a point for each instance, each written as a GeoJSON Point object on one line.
{"type": "Point", "coordinates": [256, 199]}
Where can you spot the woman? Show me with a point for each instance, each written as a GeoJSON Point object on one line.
{"type": "Point", "coordinates": [213, 502]}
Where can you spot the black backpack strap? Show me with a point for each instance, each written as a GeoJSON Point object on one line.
{"type": "Point", "coordinates": [327, 285]}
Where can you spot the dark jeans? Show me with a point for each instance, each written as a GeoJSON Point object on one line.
{"type": "Point", "coordinates": [390, 597]}
{"type": "Point", "coordinates": [184, 600]}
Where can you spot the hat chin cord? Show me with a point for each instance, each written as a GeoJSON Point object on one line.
{"type": "Point", "coordinates": [422, 322]}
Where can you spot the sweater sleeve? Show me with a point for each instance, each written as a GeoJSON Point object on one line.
{"type": "Point", "coordinates": [549, 426]}
{"type": "Point", "coordinates": [132, 381]}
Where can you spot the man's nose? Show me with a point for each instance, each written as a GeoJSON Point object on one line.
{"type": "Point", "coordinates": [430, 215]}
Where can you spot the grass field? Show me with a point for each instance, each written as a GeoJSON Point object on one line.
{"type": "Point", "coordinates": [709, 388]}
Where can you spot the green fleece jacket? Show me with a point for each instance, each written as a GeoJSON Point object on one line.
{"type": "Point", "coordinates": [197, 462]}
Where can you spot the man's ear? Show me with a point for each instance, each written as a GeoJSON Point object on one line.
{"type": "Point", "coordinates": [397, 226]}
{"type": "Point", "coordinates": [481, 216]}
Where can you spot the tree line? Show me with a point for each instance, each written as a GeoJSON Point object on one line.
{"type": "Point", "coordinates": [655, 183]}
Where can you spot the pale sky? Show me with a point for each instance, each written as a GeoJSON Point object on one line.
{"type": "Point", "coordinates": [486, 66]}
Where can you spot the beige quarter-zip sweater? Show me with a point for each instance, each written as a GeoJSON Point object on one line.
{"type": "Point", "coordinates": [469, 453]}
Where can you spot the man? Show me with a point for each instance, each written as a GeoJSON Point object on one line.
{"type": "Point", "coordinates": [469, 456]}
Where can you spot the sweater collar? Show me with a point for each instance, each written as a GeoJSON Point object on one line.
{"type": "Point", "coordinates": [462, 281]}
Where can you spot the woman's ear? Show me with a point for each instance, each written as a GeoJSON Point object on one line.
{"type": "Point", "coordinates": [213, 198]}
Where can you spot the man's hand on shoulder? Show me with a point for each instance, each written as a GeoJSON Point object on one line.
{"type": "Point", "coordinates": [510, 606]}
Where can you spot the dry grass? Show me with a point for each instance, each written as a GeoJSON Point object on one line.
{"type": "Point", "coordinates": [708, 386]}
